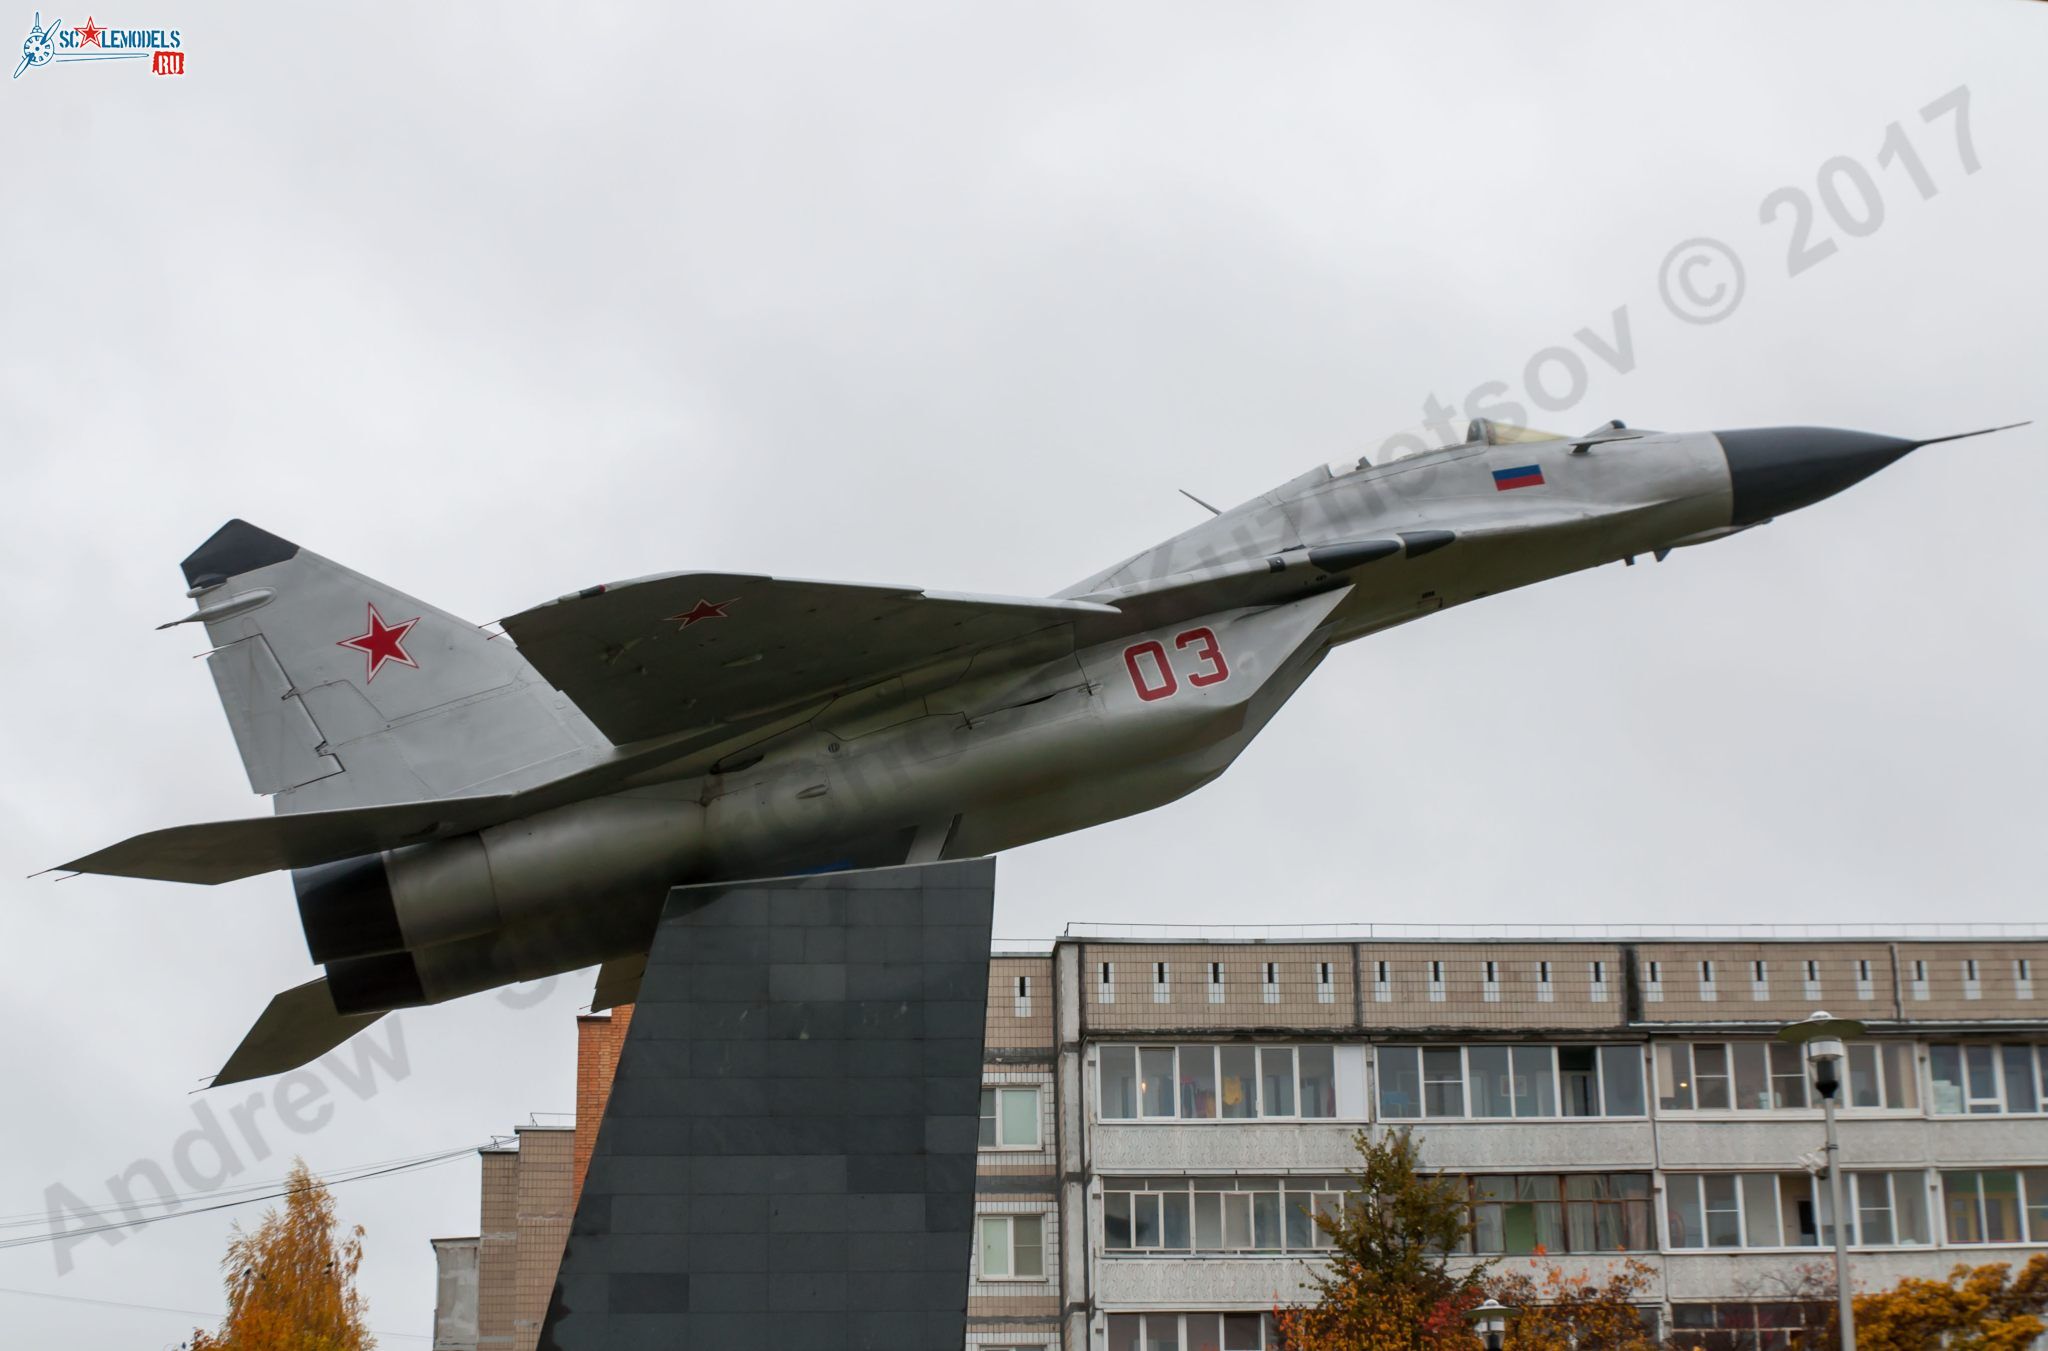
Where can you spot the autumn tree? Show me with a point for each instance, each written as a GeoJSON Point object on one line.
{"type": "Point", "coordinates": [1577, 1312]}
{"type": "Point", "coordinates": [290, 1285]}
{"type": "Point", "coordinates": [1986, 1308]}
{"type": "Point", "coordinates": [1387, 1286]}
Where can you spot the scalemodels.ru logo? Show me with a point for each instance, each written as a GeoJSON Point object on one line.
{"type": "Point", "coordinates": [57, 45]}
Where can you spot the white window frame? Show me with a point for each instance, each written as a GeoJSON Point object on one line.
{"type": "Point", "coordinates": [992, 1096]}
{"type": "Point", "coordinates": [1999, 1103]}
{"type": "Point", "coordinates": [1465, 1049]}
{"type": "Point", "coordinates": [1258, 1081]}
{"type": "Point", "coordinates": [1295, 1191]}
{"type": "Point", "coordinates": [1818, 1197]}
{"type": "Point", "coordinates": [1887, 1090]}
{"type": "Point", "coordinates": [1152, 1317]}
{"type": "Point", "coordinates": [2030, 1233]}
{"type": "Point", "coordinates": [1008, 1223]}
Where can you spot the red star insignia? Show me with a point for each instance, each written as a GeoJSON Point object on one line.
{"type": "Point", "coordinates": [384, 642]}
{"type": "Point", "coordinates": [702, 610]}
{"type": "Point", "coordinates": [88, 36]}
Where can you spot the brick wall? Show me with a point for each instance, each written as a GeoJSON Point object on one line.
{"type": "Point", "coordinates": [598, 1039]}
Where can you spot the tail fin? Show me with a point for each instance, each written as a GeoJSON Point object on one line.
{"type": "Point", "coordinates": [343, 692]}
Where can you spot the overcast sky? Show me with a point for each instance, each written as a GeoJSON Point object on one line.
{"type": "Point", "coordinates": [496, 303]}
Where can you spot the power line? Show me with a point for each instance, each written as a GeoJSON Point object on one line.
{"type": "Point", "coordinates": [171, 1199]}
{"type": "Point", "coordinates": [159, 1308]}
{"type": "Point", "coordinates": [425, 1161]}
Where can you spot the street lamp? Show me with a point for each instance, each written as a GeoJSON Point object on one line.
{"type": "Point", "coordinates": [1822, 1037]}
{"type": "Point", "coordinates": [1490, 1321]}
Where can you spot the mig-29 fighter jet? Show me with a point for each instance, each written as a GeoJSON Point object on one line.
{"type": "Point", "coordinates": [460, 809]}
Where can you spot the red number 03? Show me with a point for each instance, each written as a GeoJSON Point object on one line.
{"type": "Point", "coordinates": [1152, 672]}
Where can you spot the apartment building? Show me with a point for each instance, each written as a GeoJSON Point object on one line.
{"type": "Point", "coordinates": [1595, 1100]}
{"type": "Point", "coordinates": [1160, 1119]}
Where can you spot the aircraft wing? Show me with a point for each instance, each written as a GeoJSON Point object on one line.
{"type": "Point", "coordinates": [658, 655]}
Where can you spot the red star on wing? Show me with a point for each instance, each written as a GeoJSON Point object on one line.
{"type": "Point", "coordinates": [384, 642]}
{"type": "Point", "coordinates": [89, 36]}
{"type": "Point", "coordinates": [702, 610]}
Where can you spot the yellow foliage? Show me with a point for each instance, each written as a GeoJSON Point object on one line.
{"type": "Point", "coordinates": [1559, 1312]}
{"type": "Point", "coordinates": [290, 1286]}
{"type": "Point", "coordinates": [1983, 1308]}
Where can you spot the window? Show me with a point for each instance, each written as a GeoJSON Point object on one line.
{"type": "Point", "coordinates": [1890, 1208]}
{"type": "Point", "coordinates": [1741, 1210]}
{"type": "Point", "coordinates": [1492, 1082]}
{"type": "Point", "coordinates": [1996, 1205]}
{"type": "Point", "coordinates": [1882, 1074]}
{"type": "Point", "coordinates": [1012, 1247]}
{"type": "Point", "coordinates": [1180, 1215]}
{"type": "Point", "coordinates": [1757, 1076]}
{"type": "Point", "coordinates": [1518, 1214]}
{"type": "Point", "coordinates": [1790, 1210]}
{"type": "Point", "coordinates": [1982, 1079]}
{"type": "Point", "coordinates": [1192, 1332]}
{"type": "Point", "coordinates": [1233, 1082]}
{"type": "Point", "coordinates": [1009, 1118]}
{"type": "Point", "coordinates": [1748, 1327]}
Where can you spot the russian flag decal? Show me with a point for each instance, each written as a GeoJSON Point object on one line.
{"type": "Point", "coordinates": [1523, 476]}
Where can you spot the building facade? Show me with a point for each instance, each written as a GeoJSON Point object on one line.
{"type": "Point", "coordinates": [1160, 1120]}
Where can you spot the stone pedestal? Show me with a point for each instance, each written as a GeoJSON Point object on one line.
{"type": "Point", "coordinates": [787, 1159]}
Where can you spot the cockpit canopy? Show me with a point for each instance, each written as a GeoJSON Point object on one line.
{"type": "Point", "coordinates": [1504, 433]}
{"type": "Point", "coordinates": [1428, 439]}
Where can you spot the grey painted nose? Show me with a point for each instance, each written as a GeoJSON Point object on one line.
{"type": "Point", "coordinates": [1774, 470]}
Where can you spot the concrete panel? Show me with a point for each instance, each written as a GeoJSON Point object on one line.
{"type": "Point", "coordinates": [797, 1099]}
{"type": "Point", "coordinates": [1740, 1275]}
{"type": "Point", "coordinates": [1776, 1145]}
{"type": "Point", "coordinates": [1128, 1283]}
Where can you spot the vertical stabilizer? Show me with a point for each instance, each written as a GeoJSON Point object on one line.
{"type": "Point", "coordinates": [343, 692]}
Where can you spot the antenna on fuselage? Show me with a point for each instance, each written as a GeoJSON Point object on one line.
{"type": "Point", "coordinates": [1198, 501]}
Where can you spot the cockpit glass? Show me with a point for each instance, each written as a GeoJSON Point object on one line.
{"type": "Point", "coordinates": [1426, 438]}
{"type": "Point", "coordinates": [1505, 433]}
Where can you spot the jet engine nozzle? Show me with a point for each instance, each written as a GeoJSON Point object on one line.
{"type": "Point", "coordinates": [1774, 470]}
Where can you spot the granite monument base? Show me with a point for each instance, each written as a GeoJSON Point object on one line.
{"type": "Point", "coordinates": [787, 1159]}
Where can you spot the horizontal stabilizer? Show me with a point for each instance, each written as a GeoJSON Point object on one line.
{"type": "Point", "coordinates": [222, 851]}
{"type": "Point", "coordinates": [298, 1028]}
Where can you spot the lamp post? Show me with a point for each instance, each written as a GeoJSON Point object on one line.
{"type": "Point", "coordinates": [1490, 1321]}
{"type": "Point", "coordinates": [1823, 1037]}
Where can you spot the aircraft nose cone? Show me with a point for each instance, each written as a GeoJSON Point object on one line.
{"type": "Point", "coordinates": [1774, 470]}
